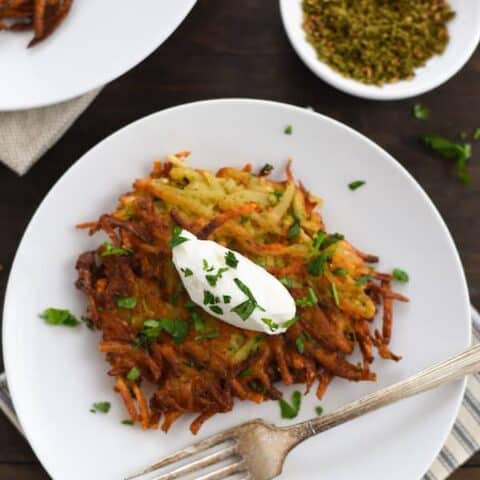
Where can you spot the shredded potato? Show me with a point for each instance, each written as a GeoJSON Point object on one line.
{"type": "Point", "coordinates": [197, 363]}
{"type": "Point", "coordinates": [41, 16]}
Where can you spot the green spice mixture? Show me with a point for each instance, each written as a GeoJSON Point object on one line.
{"type": "Point", "coordinates": [377, 41]}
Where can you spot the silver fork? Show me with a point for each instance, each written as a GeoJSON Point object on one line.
{"type": "Point", "coordinates": [257, 450]}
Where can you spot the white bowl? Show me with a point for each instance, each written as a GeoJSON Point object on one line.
{"type": "Point", "coordinates": [464, 32]}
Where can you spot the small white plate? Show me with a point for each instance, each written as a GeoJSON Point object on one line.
{"type": "Point", "coordinates": [464, 32]}
{"type": "Point", "coordinates": [97, 42]}
{"type": "Point", "coordinates": [55, 374]}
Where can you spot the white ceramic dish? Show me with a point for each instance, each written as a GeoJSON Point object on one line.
{"type": "Point", "coordinates": [464, 32]}
{"type": "Point", "coordinates": [55, 374]}
{"type": "Point", "coordinates": [97, 42]}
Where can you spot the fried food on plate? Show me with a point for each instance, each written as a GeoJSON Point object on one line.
{"type": "Point", "coordinates": [41, 16]}
{"type": "Point", "coordinates": [153, 334]}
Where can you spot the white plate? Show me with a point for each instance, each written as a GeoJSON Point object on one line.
{"type": "Point", "coordinates": [464, 32]}
{"type": "Point", "coordinates": [97, 42]}
{"type": "Point", "coordinates": [55, 374]}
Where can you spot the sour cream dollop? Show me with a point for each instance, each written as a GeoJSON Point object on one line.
{"type": "Point", "coordinates": [231, 287]}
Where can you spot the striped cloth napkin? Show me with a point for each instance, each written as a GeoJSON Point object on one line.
{"type": "Point", "coordinates": [461, 444]}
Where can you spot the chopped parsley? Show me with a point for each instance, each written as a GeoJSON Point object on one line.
{"type": "Point", "coordinates": [246, 308]}
{"type": "Point", "coordinates": [400, 275]}
{"type": "Point", "coordinates": [335, 296]}
{"type": "Point", "coordinates": [309, 301]}
{"type": "Point", "coordinates": [340, 272]}
{"type": "Point", "coordinates": [109, 249]}
{"type": "Point", "coordinates": [278, 193]}
{"type": "Point", "coordinates": [208, 335]}
{"type": "Point", "coordinates": [288, 130]}
{"type": "Point", "coordinates": [227, 299]}
{"type": "Point", "coordinates": [102, 407]}
{"type": "Point", "coordinates": [216, 309]}
{"type": "Point", "coordinates": [288, 410]}
{"type": "Point", "coordinates": [126, 302]}
{"type": "Point", "coordinates": [213, 279]}
{"type": "Point", "coordinates": [208, 298]}
{"type": "Point", "coordinates": [290, 322]}
{"type": "Point", "coordinates": [257, 387]}
{"type": "Point", "coordinates": [57, 316]}
{"type": "Point", "coordinates": [319, 410]}
{"type": "Point", "coordinates": [88, 323]}
{"type": "Point", "coordinates": [207, 267]}
{"type": "Point", "coordinates": [127, 421]}
{"type": "Point", "coordinates": [133, 374]}
{"type": "Point", "coordinates": [363, 280]}
{"type": "Point", "coordinates": [460, 152]}
{"type": "Point", "coordinates": [273, 326]}
{"type": "Point", "coordinates": [322, 240]}
{"type": "Point", "coordinates": [356, 184]}
{"type": "Point", "coordinates": [476, 134]}
{"type": "Point", "coordinates": [288, 282]}
{"type": "Point", "coordinates": [189, 305]}
{"type": "Point", "coordinates": [331, 239]}
{"type": "Point", "coordinates": [176, 239]}
{"type": "Point", "coordinates": [294, 230]}
{"type": "Point", "coordinates": [266, 170]}
{"type": "Point", "coordinates": [245, 373]}
{"type": "Point", "coordinates": [300, 345]}
{"type": "Point", "coordinates": [231, 260]}
{"type": "Point", "coordinates": [421, 112]}
{"type": "Point", "coordinates": [316, 266]}
{"type": "Point", "coordinates": [318, 239]}
{"type": "Point", "coordinates": [198, 322]}
{"type": "Point", "coordinates": [177, 329]}
{"type": "Point", "coordinates": [187, 272]}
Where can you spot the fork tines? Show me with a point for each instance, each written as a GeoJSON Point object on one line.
{"type": "Point", "coordinates": [203, 456]}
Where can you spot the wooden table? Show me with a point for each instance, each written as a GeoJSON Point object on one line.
{"type": "Point", "coordinates": [239, 49]}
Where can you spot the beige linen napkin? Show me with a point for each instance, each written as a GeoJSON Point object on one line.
{"type": "Point", "coordinates": [26, 135]}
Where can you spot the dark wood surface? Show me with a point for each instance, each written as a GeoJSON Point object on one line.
{"type": "Point", "coordinates": [239, 49]}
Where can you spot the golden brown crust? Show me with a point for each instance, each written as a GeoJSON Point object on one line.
{"type": "Point", "coordinates": [274, 223]}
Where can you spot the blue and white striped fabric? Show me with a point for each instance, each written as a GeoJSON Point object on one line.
{"type": "Point", "coordinates": [463, 442]}
{"type": "Point", "coordinates": [464, 439]}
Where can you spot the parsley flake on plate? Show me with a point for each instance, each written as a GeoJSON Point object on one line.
{"type": "Point", "coordinates": [109, 249]}
{"type": "Point", "coordinates": [363, 280]}
{"type": "Point", "coordinates": [128, 303]}
{"type": "Point", "coordinates": [58, 316]}
{"type": "Point", "coordinates": [176, 239]}
{"type": "Point", "coordinates": [208, 335]}
{"type": "Point", "coordinates": [187, 272]}
{"type": "Point", "coordinates": [356, 184]}
{"type": "Point", "coordinates": [300, 345]}
{"type": "Point", "coordinates": [231, 260]}
{"type": "Point", "coordinates": [316, 266]}
{"type": "Point", "coordinates": [273, 326]}
{"type": "Point", "coordinates": [288, 410]}
{"type": "Point", "coordinates": [133, 374]}
{"type": "Point", "coordinates": [309, 301]}
{"type": "Point", "coordinates": [400, 275]}
{"type": "Point", "coordinates": [294, 230]}
{"type": "Point", "coordinates": [102, 407]}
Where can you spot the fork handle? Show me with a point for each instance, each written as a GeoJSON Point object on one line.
{"type": "Point", "coordinates": [452, 369]}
